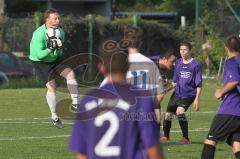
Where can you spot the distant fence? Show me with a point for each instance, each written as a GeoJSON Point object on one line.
{"type": "Point", "coordinates": [17, 34]}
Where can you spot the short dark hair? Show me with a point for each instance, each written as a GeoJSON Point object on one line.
{"type": "Point", "coordinates": [232, 43]}
{"type": "Point", "coordinates": [114, 58]}
{"type": "Point", "coordinates": [134, 34]}
{"type": "Point", "coordinates": [167, 54]}
{"type": "Point", "coordinates": [50, 11]}
{"type": "Point", "coordinates": [186, 44]}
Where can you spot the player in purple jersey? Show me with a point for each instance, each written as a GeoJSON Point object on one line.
{"type": "Point", "coordinates": [226, 124]}
{"type": "Point", "coordinates": [187, 81]}
{"type": "Point", "coordinates": [165, 63]}
{"type": "Point", "coordinates": [124, 126]}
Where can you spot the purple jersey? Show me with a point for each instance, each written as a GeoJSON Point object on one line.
{"type": "Point", "coordinates": [231, 100]}
{"type": "Point", "coordinates": [187, 77]}
{"type": "Point", "coordinates": [122, 132]}
{"type": "Point", "coordinates": [155, 59]}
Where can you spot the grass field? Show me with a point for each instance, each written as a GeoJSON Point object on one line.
{"type": "Point", "coordinates": [26, 131]}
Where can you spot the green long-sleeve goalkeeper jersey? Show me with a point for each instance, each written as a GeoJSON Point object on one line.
{"type": "Point", "coordinates": [38, 46]}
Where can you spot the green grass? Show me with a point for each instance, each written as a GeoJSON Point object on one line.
{"type": "Point", "coordinates": [30, 82]}
{"type": "Point", "coordinates": [19, 107]}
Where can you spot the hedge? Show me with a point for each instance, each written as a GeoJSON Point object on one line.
{"type": "Point", "coordinates": [157, 38]}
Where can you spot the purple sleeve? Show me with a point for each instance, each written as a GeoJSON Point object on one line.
{"type": "Point", "coordinates": [232, 69]}
{"type": "Point", "coordinates": [155, 59]}
{"type": "Point", "coordinates": [198, 78]}
{"type": "Point", "coordinates": [175, 72]}
{"type": "Point", "coordinates": [77, 142]}
{"type": "Point", "coordinates": [148, 127]}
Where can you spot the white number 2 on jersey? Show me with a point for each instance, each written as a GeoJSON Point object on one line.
{"type": "Point", "coordinates": [102, 148]}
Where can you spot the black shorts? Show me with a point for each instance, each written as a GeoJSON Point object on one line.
{"type": "Point", "coordinates": [49, 71]}
{"type": "Point", "coordinates": [225, 128]}
{"type": "Point", "coordinates": [176, 102]}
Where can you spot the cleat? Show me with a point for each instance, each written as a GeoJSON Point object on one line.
{"type": "Point", "coordinates": [57, 123]}
{"type": "Point", "coordinates": [164, 138]}
{"type": "Point", "coordinates": [184, 141]}
{"type": "Point", "coordinates": [73, 107]}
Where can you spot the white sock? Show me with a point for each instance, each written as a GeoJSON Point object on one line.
{"type": "Point", "coordinates": [52, 103]}
{"type": "Point", "coordinates": [73, 89]}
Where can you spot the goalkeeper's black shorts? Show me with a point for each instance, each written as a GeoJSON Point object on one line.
{"type": "Point", "coordinates": [49, 71]}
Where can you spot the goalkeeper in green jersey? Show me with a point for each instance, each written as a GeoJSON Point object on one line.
{"type": "Point", "coordinates": [46, 55]}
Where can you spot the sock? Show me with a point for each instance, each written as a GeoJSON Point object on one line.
{"type": "Point", "coordinates": [183, 124]}
{"type": "Point", "coordinates": [52, 102]}
{"type": "Point", "coordinates": [167, 124]}
{"type": "Point", "coordinates": [73, 89]}
{"type": "Point", "coordinates": [208, 151]}
{"type": "Point", "coordinates": [237, 154]}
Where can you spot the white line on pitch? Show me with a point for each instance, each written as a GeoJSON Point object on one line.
{"type": "Point", "coordinates": [24, 118]}
{"type": "Point", "coordinates": [193, 130]}
{"type": "Point", "coordinates": [205, 112]}
{"type": "Point", "coordinates": [21, 122]}
{"type": "Point", "coordinates": [33, 137]}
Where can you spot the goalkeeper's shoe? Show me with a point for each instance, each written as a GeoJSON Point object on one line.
{"type": "Point", "coordinates": [73, 108]}
{"type": "Point", "coordinates": [57, 123]}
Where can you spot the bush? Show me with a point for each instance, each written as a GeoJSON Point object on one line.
{"type": "Point", "coordinates": [215, 53]}
{"type": "Point", "coordinates": [157, 38]}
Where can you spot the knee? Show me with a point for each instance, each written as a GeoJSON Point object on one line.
{"type": "Point", "coordinates": [68, 74]}
{"type": "Point", "coordinates": [180, 110]}
{"type": "Point", "coordinates": [210, 142]}
{"type": "Point", "coordinates": [168, 116]}
{"type": "Point", "coordinates": [51, 86]}
{"type": "Point", "coordinates": [235, 146]}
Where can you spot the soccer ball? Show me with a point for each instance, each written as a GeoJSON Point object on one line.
{"type": "Point", "coordinates": [53, 33]}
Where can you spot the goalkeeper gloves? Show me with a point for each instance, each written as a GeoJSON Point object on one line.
{"type": "Point", "coordinates": [54, 43]}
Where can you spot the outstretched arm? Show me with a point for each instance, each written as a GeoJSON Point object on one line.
{"type": "Point", "coordinates": [228, 87]}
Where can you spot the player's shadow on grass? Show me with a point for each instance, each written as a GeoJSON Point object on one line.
{"type": "Point", "coordinates": [64, 110]}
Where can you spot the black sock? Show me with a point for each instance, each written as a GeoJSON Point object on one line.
{"type": "Point", "coordinates": [167, 124]}
{"type": "Point", "coordinates": [237, 154]}
{"type": "Point", "coordinates": [183, 124]}
{"type": "Point", "coordinates": [208, 152]}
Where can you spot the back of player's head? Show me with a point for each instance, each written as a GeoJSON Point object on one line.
{"type": "Point", "coordinates": [134, 34]}
{"type": "Point", "coordinates": [50, 11]}
{"type": "Point", "coordinates": [187, 44]}
{"type": "Point", "coordinates": [232, 43]}
{"type": "Point", "coordinates": [114, 56]}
